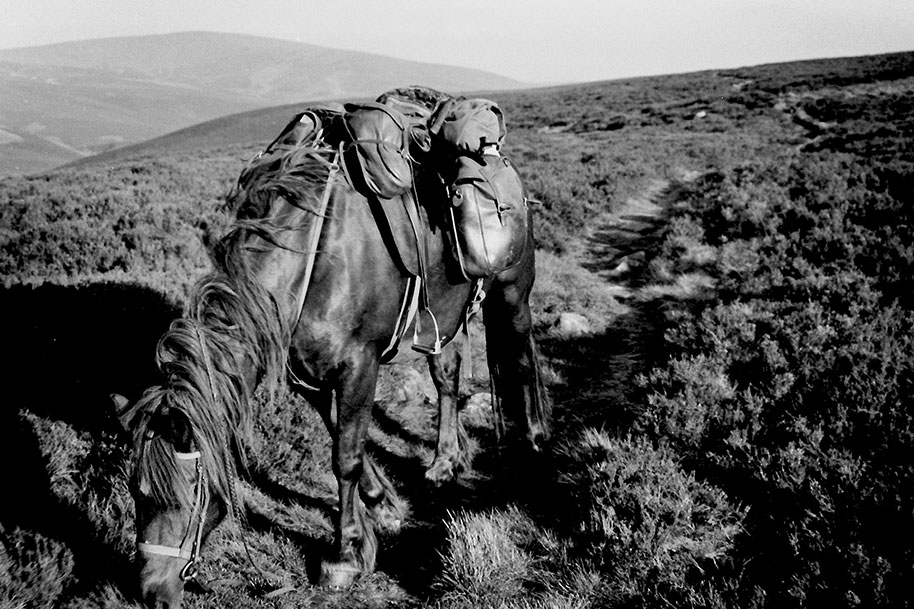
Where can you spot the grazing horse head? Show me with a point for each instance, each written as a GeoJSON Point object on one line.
{"type": "Point", "coordinates": [188, 431]}
{"type": "Point", "coordinates": [313, 282]}
{"type": "Point", "coordinates": [176, 506]}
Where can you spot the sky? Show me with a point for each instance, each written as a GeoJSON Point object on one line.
{"type": "Point", "coordinates": [533, 41]}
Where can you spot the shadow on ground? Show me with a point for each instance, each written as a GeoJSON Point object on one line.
{"type": "Point", "coordinates": [67, 349]}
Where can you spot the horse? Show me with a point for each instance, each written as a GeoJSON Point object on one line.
{"type": "Point", "coordinates": [307, 288]}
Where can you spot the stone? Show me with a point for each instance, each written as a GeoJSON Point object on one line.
{"type": "Point", "coordinates": [572, 324]}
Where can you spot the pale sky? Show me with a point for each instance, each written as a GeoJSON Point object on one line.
{"type": "Point", "coordinates": [534, 41]}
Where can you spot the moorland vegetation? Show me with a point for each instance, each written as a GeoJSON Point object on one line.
{"type": "Point", "coordinates": [735, 430]}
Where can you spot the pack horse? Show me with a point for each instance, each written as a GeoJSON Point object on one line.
{"type": "Point", "coordinates": [359, 228]}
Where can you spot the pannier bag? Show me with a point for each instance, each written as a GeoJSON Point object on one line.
{"type": "Point", "coordinates": [377, 154]}
{"type": "Point", "coordinates": [489, 214]}
{"type": "Point", "coordinates": [473, 125]}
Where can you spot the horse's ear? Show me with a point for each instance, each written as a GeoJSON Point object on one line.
{"type": "Point", "coordinates": [122, 408]}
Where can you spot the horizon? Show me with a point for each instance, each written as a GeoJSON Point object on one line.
{"type": "Point", "coordinates": [579, 41]}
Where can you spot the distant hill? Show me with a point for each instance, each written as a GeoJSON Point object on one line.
{"type": "Point", "coordinates": [65, 101]}
{"type": "Point", "coordinates": [598, 106]}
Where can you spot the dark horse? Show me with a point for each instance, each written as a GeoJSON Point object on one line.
{"type": "Point", "coordinates": [307, 287]}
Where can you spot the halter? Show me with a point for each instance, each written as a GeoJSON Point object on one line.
{"type": "Point", "coordinates": [201, 504]}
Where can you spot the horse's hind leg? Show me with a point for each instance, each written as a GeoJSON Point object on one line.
{"type": "Point", "coordinates": [451, 454]}
{"type": "Point", "coordinates": [520, 393]}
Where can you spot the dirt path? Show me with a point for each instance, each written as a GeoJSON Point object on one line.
{"type": "Point", "coordinates": [600, 369]}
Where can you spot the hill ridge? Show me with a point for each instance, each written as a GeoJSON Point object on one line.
{"type": "Point", "coordinates": [95, 94]}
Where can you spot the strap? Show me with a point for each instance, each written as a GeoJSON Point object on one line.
{"type": "Point", "coordinates": [414, 214]}
{"type": "Point", "coordinates": [457, 248]}
{"type": "Point", "coordinates": [315, 235]}
{"type": "Point", "coordinates": [152, 548]}
{"type": "Point", "coordinates": [435, 347]}
{"type": "Point", "coordinates": [187, 456]}
{"type": "Point", "coordinates": [408, 308]}
{"type": "Point", "coordinates": [439, 116]}
{"type": "Point", "coordinates": [472, 308]}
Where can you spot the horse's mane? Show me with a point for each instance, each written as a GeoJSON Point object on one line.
{"type": "Point", "coordinates": [229, 321]}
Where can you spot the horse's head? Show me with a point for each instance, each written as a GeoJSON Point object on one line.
{"type": "Point", "coordinates": [175, 503]}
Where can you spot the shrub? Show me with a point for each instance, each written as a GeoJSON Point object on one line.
{"type": "Point", "coordinates": [655, 532]}
{"type": "Point", "coordinates": [790, 386]}
{"type": "Point", "coordinates": [33, 569]}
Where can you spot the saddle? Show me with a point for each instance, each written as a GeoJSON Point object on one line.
{"type": "Point", "coordinates": [379, 144]}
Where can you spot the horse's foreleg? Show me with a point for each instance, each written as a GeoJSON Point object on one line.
{"type": "Point", "coordinates": [355, 545]}
{"type": "Point", "coordinates": [514, 363]}
{"type": "Point", "coordinates": [450, 457]}
{"type": "Point", "coordinates": [387, 507]}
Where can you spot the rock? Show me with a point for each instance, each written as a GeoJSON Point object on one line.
{"type": "Point", "coordinates": [402, 384]}
{"type": "Point", "coordinates": [620, 269]}
{"type": "Point", "coordinates": [477, 411]}
{"type": "Point", "coordinates": [572, 324]}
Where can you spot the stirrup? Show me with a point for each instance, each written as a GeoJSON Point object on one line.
{"type": "Point", "coordinates": [426, 349]}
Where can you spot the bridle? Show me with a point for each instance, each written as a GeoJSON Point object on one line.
{"type": "Point", "coordinates": [201, 497]}
{"type": "Point", "coordinates": [198, 513]}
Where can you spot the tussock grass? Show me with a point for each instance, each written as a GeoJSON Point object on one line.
{"type": "Point", "coordinates": [485, 561]}
{"type": "Point", "coordinates": [500, 558]}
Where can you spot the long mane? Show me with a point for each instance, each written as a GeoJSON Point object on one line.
{"type": "Point", "coordinates": [230, 321]}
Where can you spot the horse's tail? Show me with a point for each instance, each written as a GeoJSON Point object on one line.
{"type": "Point", "coordinates": [542, 402]}
{"type": "Point", "coordinates": [519, 395]}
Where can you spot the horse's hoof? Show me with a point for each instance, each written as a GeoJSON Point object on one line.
{"type": "Point", "coordinates": [338, 575]}
{"type": "Point", "coordinates": [537, 441]}
{"type": "Point", "coordinates": [440, 472]}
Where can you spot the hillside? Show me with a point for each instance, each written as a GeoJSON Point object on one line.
{"type": "Point", "coordinates": [69, 100]}
{"type": "Point", "coordinates": [725, 270]}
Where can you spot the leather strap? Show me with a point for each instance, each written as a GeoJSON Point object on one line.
{"type": "Point", "coordinates": [152, 548]}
